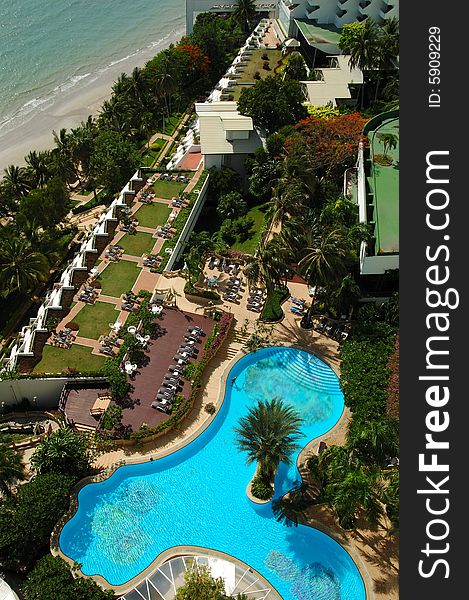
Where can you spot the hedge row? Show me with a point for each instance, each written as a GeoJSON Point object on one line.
{"type": "Point", "coordinates": [272, 310]}
{"type": "Point", "coordinates": [365, 369]}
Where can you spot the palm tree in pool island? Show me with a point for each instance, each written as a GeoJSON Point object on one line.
{"type": "Point", "coordinates": [269, 434]}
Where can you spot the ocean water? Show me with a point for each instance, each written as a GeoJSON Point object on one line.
{"type": "Point", "coordinates": [49, 48]}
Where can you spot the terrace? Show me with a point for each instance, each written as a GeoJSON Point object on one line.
{"type": "Point", "coordinates": [253, 63]}
{"type": "Point", "coordinates": [159, 356]}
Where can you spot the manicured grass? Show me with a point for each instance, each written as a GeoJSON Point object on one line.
{"type": "Point", "coordinates": [171, 123]}
{"type": "Point", "coordinates": [152, 215]}
{"type": "Point", "coordinates": [137, 244]}
{"type": "Point", "coordinates": [56, 360]}
{"type": "Point", "coordinates": [118, 277]}
{"type": "Point", "coordinates": [94, 319]}
{"type": "Point", "coordinates": [168, 189]}
{"type": "Point", "coordinates": [250, 244]}
{"type": "Point", "coordinates": [255, 64]}
{"type": "Point", "coordinates": [153, 152]}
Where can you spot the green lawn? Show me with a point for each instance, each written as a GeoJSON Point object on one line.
{"type": "Point", "coordinates": [168, 189]}
{"type": "Point", "coordinates": [94, 319]}
{"type": "Point", "coordinates": [152, 215]}
{"type": "Point", "coordinates": [56, 360]}
{"type": "Point", "coordinates": [171, 123]}
{"type": "Point", "coordinates": [255, 64]}
{"type": "Point", "coordinates": [250, 244]}
{"type": "Point", "coordinates": [118, 278]}
{"type": "Point", "coordinates": [153, 152]}
{"type": "Point", "coordinates": [137, 244]}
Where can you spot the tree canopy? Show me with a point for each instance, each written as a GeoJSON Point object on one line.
{"type": "Point", "coordinates": [273, 102]}
{"type": "Point", "coordinates": [51, 578]}
{"type": "Point", "coordinates": [63, 451]}
{"type": "Point", "coordinates": [28, 517]}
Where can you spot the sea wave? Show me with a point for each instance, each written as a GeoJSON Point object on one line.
{"type": "Point", "coordinates": [28, 110]}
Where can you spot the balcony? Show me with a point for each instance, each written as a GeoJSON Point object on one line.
{"type": "Point", "coordinates": [341, 13]}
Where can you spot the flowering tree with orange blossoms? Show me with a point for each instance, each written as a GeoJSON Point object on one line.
{"type": "Point", "coordinates": [329, 145]}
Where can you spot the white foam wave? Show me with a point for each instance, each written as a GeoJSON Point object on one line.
{"type": "Point", "coordinates": [27, 111]}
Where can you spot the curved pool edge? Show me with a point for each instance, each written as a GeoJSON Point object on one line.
{"type": "Point", "coordinates": [169, 554]}
{"type": "Point", "coordinates": [341, 422]}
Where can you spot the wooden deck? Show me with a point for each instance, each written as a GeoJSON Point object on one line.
{"type": "Point", "coordinates": [80, 398]}
{"type": "Point", "coordinates": [137, 408]}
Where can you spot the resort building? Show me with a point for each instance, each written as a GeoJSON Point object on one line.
{"type": "Point", "coordinates": [226, 136]}
{"type": "Point", "coordinates": [376, 189]}
{"type": "Point", "coordinates": [337, 84]}
{"type": "Point", "coordinates": [291, 13]}
{"type": "Point", "coordinates": [266, 8]}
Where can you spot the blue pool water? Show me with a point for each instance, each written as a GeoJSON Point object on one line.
{"type": "Point", "coordinates": [197, 495]}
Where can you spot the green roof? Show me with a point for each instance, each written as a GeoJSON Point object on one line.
{"type": "Point", "coordinates": [383, 183]}
{"type": "Point", "coordinates": [322, 37]}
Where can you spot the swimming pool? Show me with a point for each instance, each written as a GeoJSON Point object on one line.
{"type": "Point", "coordinates": [197, 495]}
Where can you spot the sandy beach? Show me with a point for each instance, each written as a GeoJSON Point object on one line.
{"type": "Point", "coordinates": [70, 108]}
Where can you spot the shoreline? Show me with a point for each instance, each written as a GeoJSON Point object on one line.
{"type": "Point", "coordinates": [71, 107]}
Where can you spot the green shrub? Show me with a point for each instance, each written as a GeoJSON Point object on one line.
{"type": "Point", "coordinates": [112, 417]}
{"type": "Point", "coordinates": [209, 294]}
{"type": "Point", "coordinates": [272, 310]}
{"type": "Point", "coordinates": [260, 489]}
{"type": "Point", "coordinates": [28, 518]}
{"type": "Point", "coordinates": [210, 408]}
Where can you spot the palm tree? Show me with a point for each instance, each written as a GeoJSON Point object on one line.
{"type": "Point", "coordinates": [268, 433]}
{"type": "Point", "coordinates": [38, 167]}
{"type": "Point", "coordinates": [325, 259]}
{"type": "Point", "coordinates": [373, 441]}
{"type": "Point", "coordinates": [62, 451]}
{"type": "Point", "coordinates": [389, 141]}
{"type": "Point", "coordinates": [244, 13]}
{"type": "Point", "coordinates": [266, 268]}
{"type": "Point", "coordinates": [11, 469]}
{"type": "Point", "coordinates": [231, 206]}
{"type": "Point", "coordinates": [346, 295]}
{"type": "Point", "coordinates": [364, 49]}
{"type": "Point", "coordinates": [165, 83]}
{"type": "Point", "coordinates": [356, 491]}
{"type": "Point", "coordinates": [286, 201]}
{"type": "Point", "coordinates": [17, 181]}
{"type": "Point", "coordinates": [21, 267]}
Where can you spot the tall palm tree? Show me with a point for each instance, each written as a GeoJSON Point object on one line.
{"type": "Point", "coordinates": [364, 50]}
{"type": "Point", "coordinates": [244, 13]}
{"type": "Point", "coordinates": [325, 259]}
{"type": "Point", "coordinates": [21, 267]}
{"type": "Point", "coordinates": [266, 268]}
{"type": "Point", "coordinates": [165, 83]}
{"type": "Point", "coordinates": [269, 434]}
{"type": "Point", "coordinates": [11, 469]}
{"type": "Point", "coordinates": [17, 181]}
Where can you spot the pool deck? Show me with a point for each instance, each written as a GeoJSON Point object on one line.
{"type": "Point", "coordinates": [375, 553]}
